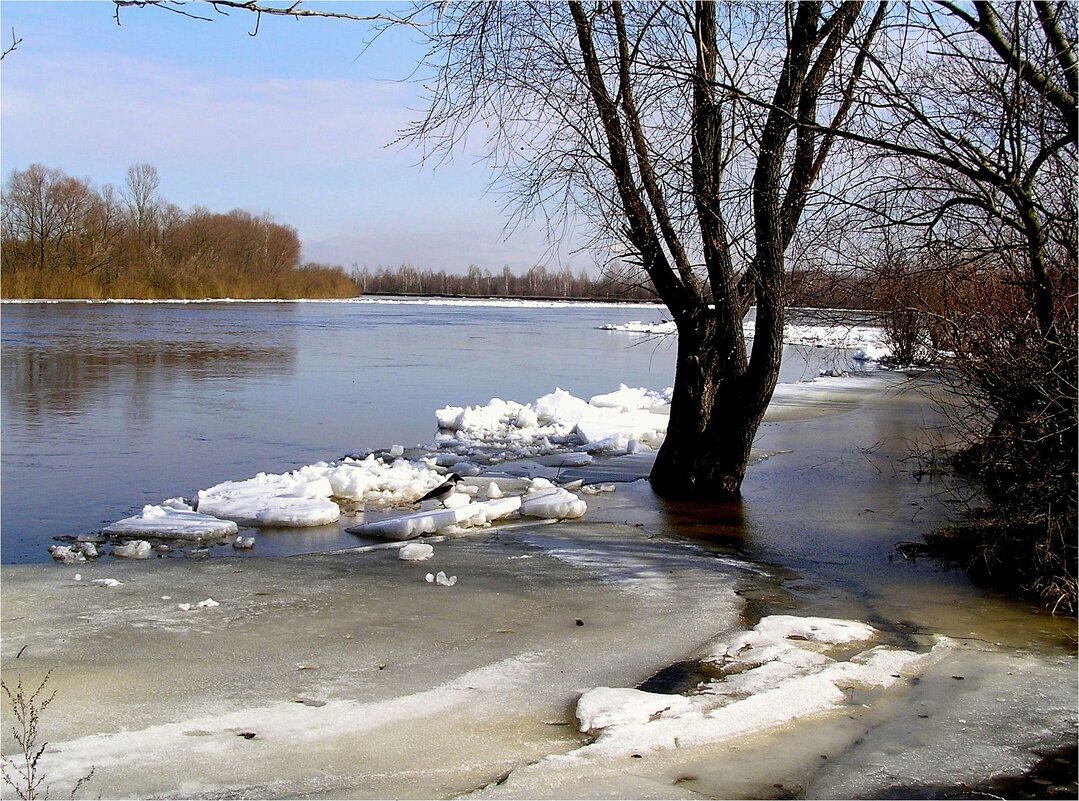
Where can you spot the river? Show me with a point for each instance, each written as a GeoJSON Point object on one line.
{"type": "Point", "coordinates": [353, 676]}
{"type": "Point", "coordinates": [110, 406]}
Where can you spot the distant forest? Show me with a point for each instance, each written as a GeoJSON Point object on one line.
{"type": "Point", "coordinates": [64, 238]}
{"type": "Point", "coordinates": [537, 282]}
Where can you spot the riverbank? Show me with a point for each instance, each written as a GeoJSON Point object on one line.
{"type": "Point", "coordinates": [358, 678]}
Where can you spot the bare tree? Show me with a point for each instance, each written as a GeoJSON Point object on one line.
{"type": "Point", "coordinates": [690, 136]}
{"type": "Point", "coordinates": [42, 209]}
{"type": "Point", "coordinates": [140, 193]}
{"type": "Point", "coordinates": [976, 126]}
{"type": "Point", "coordinates": [618, 111]}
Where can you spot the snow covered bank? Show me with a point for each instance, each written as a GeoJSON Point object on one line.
{"type": "Point", "coordinates": [867, 341]}
{"type": "Point", "coordinates": [524, 303]}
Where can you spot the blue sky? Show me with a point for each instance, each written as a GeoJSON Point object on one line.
{"type": "Point", "coordinates": [296, 121]}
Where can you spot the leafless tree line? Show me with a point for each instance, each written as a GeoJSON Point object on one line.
{"type": "Point", "coordinates": [62, 237]}
{"type": "Point", "coordinates": [536, 282]}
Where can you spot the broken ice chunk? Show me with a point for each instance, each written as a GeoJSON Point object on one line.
{"type": "Point", "coordinates": [554, 502]}
{"type": "Point", "coordinates": [416, 552]}
{"type": "Point", "coordinates": [135, 549]}
{"type": "Point", "coordinates": [65, 555]}
{"type": "Point", "coordinates": [445, 581]}
{"type": "Point", "coordinates": [293, 499]}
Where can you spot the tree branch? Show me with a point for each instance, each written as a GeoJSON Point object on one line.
{"type": "Point", "coordinates": [294, 10]}
{"type": "Point", "coordinates": [14, 43]}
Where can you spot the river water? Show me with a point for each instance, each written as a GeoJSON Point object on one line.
{"type": "Point", "coordinates": [110, 406]}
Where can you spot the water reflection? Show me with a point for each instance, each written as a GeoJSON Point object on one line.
{"type": "Point", "coordinates": [712, 524]}
{"type": "Point", "coordinates": [67, 379]}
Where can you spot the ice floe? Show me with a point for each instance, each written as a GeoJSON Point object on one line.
{"type": "Point", "coordinates": [71, 554]}
{"type": "Point", "coordinates": [292, 499]}
{"type": "Point", "coordinates": [135, 549]}
{"type": "Point", "coordinates": [168, 522]}
{"type": "Point", "coordinates": [552, 502]}
{"type": "Point", "coordinates": [416, 552]}
{"type": "Point", "coordinates": [868, 341]}
{"type": "Point", "coordinates": [784, 669]}
{"type": "Point", "coordinates": [434, 521]}
{"type": "Point", "coordinates": [617, 422]}
{"type": "Point", "coordinates": [305, 497]}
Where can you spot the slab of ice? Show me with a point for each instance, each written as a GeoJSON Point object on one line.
{"type": "Point", "coordinates": [135, 549]}
{"type": "Point", "coordinates": [554, 425]}
{"type": "Point", "coordinates": [629, 399]}
{"type": "Point", "coordinates": [639, 327]}
{"type": "Point", "coordinates": [416, 552]}
{"type": "Point", "coordinates": [410, 526]}
{"type": "Point", "coordinates": [607, 706]}
{"type": "Point", "coordinates": [553, 502]}
{"type": "Point", "coordinates": [65, 555]}
{"type": "Point", "coordinates": [293, 499]}
{"type": "Point", "coordinates": [170, 522]}
{"type": "Point", "coordinates": [774, 674]}
{"type": "Point", "coordinates": [560, 407]}
{"type": "Point", "coordinates": [373, 481]}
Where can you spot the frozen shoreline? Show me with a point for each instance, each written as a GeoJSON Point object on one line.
{"type": "Point", "coordinates": [360, 679]}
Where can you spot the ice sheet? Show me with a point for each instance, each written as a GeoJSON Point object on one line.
{"type": "Point", "coordinates": [167, 522]}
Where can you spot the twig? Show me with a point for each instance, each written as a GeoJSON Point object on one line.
{"type": "Point", "coordinates": [14, 43]}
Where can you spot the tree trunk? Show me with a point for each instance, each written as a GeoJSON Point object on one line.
{"type": "Point", "coordinates": [718, 404]}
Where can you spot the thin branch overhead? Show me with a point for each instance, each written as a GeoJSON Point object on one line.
{"type": "Point", "coordinates": [295, 10]}
{"type": "Point", "coordinates": [14, 44]}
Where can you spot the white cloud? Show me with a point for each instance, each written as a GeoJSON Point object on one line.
{"type": "Point", "coordinates": [119, 106]}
